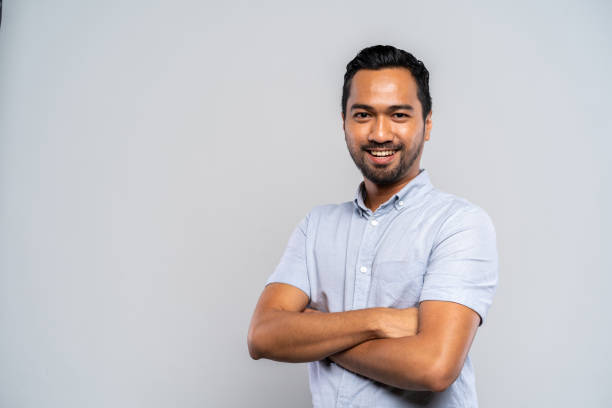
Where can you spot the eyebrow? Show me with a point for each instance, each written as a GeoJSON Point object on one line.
{"type": "Point", "coordinates": [391, 108]}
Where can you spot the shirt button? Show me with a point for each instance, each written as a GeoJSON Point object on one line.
{"type": "Point", "coordinates": [400, 203]}
{"type": "Point", "coordinates": [374, 222]}
{"type": "Point", "coordinates": [363, 269]}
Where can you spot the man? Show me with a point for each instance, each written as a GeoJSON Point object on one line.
{"type": "Point", "coordinates": [383, 294]}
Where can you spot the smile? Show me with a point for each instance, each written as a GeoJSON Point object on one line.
{"type": "Point", "coordinates": [381, 157]}
{"type": "Point", "coordinates": [381, 153]}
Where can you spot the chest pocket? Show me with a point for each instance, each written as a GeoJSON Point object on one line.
{"type": "Point", "coordinates": [397, 284]}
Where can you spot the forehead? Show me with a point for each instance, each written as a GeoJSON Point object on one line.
{"type": "Point", "coordinates": [387, 86]}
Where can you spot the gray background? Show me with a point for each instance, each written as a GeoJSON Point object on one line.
{"type": "Point", "coordinates": [155, 156]}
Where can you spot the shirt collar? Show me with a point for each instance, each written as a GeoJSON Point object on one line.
{"type": "Point", "coordinates": [401, 200]}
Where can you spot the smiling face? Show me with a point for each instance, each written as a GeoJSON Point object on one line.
{"type": "Point", "coordinates": [384, 127]}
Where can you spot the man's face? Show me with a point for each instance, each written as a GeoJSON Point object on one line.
{"type": "Point", "coordinates": [384, 127]}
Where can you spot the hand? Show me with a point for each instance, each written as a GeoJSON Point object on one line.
{"type": "Point", "coordinates": [396, 323]}
{"type": "Point", "coordinates": [309, 310]}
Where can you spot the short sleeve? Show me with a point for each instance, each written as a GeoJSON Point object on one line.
{"type": "Point", "coordinates": [292, 268]}
{"type": "Point", "coordinates": [463, 265]}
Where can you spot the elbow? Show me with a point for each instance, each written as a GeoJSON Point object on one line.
{"type": "Point", "coordinates": [261, 338]}
{"type": "Point", "coordinates": [254, 352]}
{"type": "Point", "coordinates": [440, 377]}
{"type": "Point", "coordinates": [439, 384]}
{"type": "Point", "coordinates": [256, 349]}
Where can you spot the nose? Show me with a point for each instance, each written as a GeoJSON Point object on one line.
{"type": "Point", "coordinates": [381, 132]}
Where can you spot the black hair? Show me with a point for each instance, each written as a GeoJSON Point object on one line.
{"type": "Point", "coordinates": [387, 56]}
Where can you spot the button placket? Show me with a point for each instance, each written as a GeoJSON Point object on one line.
{"type": "Point", "coordinates": [363, 278]}
{"type": "Point", "coordinates": [365, 257]}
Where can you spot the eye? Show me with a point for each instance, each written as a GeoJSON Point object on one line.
{"type": "Point", "coordinates": [401, 115]}
{"type": "Point", "coordinates": [361, 115]}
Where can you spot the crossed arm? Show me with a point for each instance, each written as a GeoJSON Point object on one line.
{"type": "Point", "coordinates": [420, 348]}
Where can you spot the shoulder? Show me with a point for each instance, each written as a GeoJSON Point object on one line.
{"type": "Point", "coordinates": [327, 211]}
{"type": "Point", "coordinates": [457, 213]}
{"type": "Point", "coordinates": [327, 215]}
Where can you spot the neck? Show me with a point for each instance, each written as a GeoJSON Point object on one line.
{"type": "Point", "coordinates": [376, 194]}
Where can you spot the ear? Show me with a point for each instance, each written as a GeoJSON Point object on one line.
{"type": "Point", "coordinates": [428, 125]}
{"type": "Point", "coordinates": [343, 118]}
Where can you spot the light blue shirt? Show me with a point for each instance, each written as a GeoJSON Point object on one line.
{"type": "Point", "coordinates": [421, 244]}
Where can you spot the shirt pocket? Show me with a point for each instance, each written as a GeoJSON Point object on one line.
{"type": "Point", "coordinates": [397, 283]}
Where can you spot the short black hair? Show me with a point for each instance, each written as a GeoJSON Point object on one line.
{"type": "Point", "coordinates": [387, 56]}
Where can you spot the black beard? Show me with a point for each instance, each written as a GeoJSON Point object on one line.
{"type": "Point", "coordinates": [381, 177]}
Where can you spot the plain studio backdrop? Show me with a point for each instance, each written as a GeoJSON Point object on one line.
{"type": "Point", "coordinates": [156, 155]}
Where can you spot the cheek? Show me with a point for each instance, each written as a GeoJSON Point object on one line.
{"type": "Point", "coordinates": [358, 133]}
{"type": "Point", "coordinates": [408, 134]}
{"type": "Point", "coordinates": [403, 129]}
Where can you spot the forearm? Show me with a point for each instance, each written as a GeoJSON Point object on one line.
{"type": "Point", "coordinates": [300, 337]}
{"type": "Point", "coordinates": [407, 362]}
{"type": "Point", "coordinates": [430, 360]}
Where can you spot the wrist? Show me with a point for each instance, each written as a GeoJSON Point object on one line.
{"type": "Point", "coordinates": [376, 323]}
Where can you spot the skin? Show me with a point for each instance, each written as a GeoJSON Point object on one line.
{"type": "Point", "coordinates": [383, 112]}
{"type": "Point", "coordinates": [283, 329]}
{"type": "Point", "coordinates": [420, 348]}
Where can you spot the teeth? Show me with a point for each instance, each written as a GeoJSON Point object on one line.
{"type": "Point", "coordinates": [382, 153]}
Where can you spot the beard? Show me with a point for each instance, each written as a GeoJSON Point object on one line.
{"type": "Point", "coordinates": [386, 174]}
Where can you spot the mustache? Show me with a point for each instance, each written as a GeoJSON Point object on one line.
{"type": "Point", "coordinates": [382, 146]}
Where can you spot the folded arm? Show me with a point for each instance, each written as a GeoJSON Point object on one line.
{"type": "Point", "coordinates": [430, 360]}
{"type": "Point", "coordinates": [462, 267]}
{"type": "Point", "coordinates": [281, 331]}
